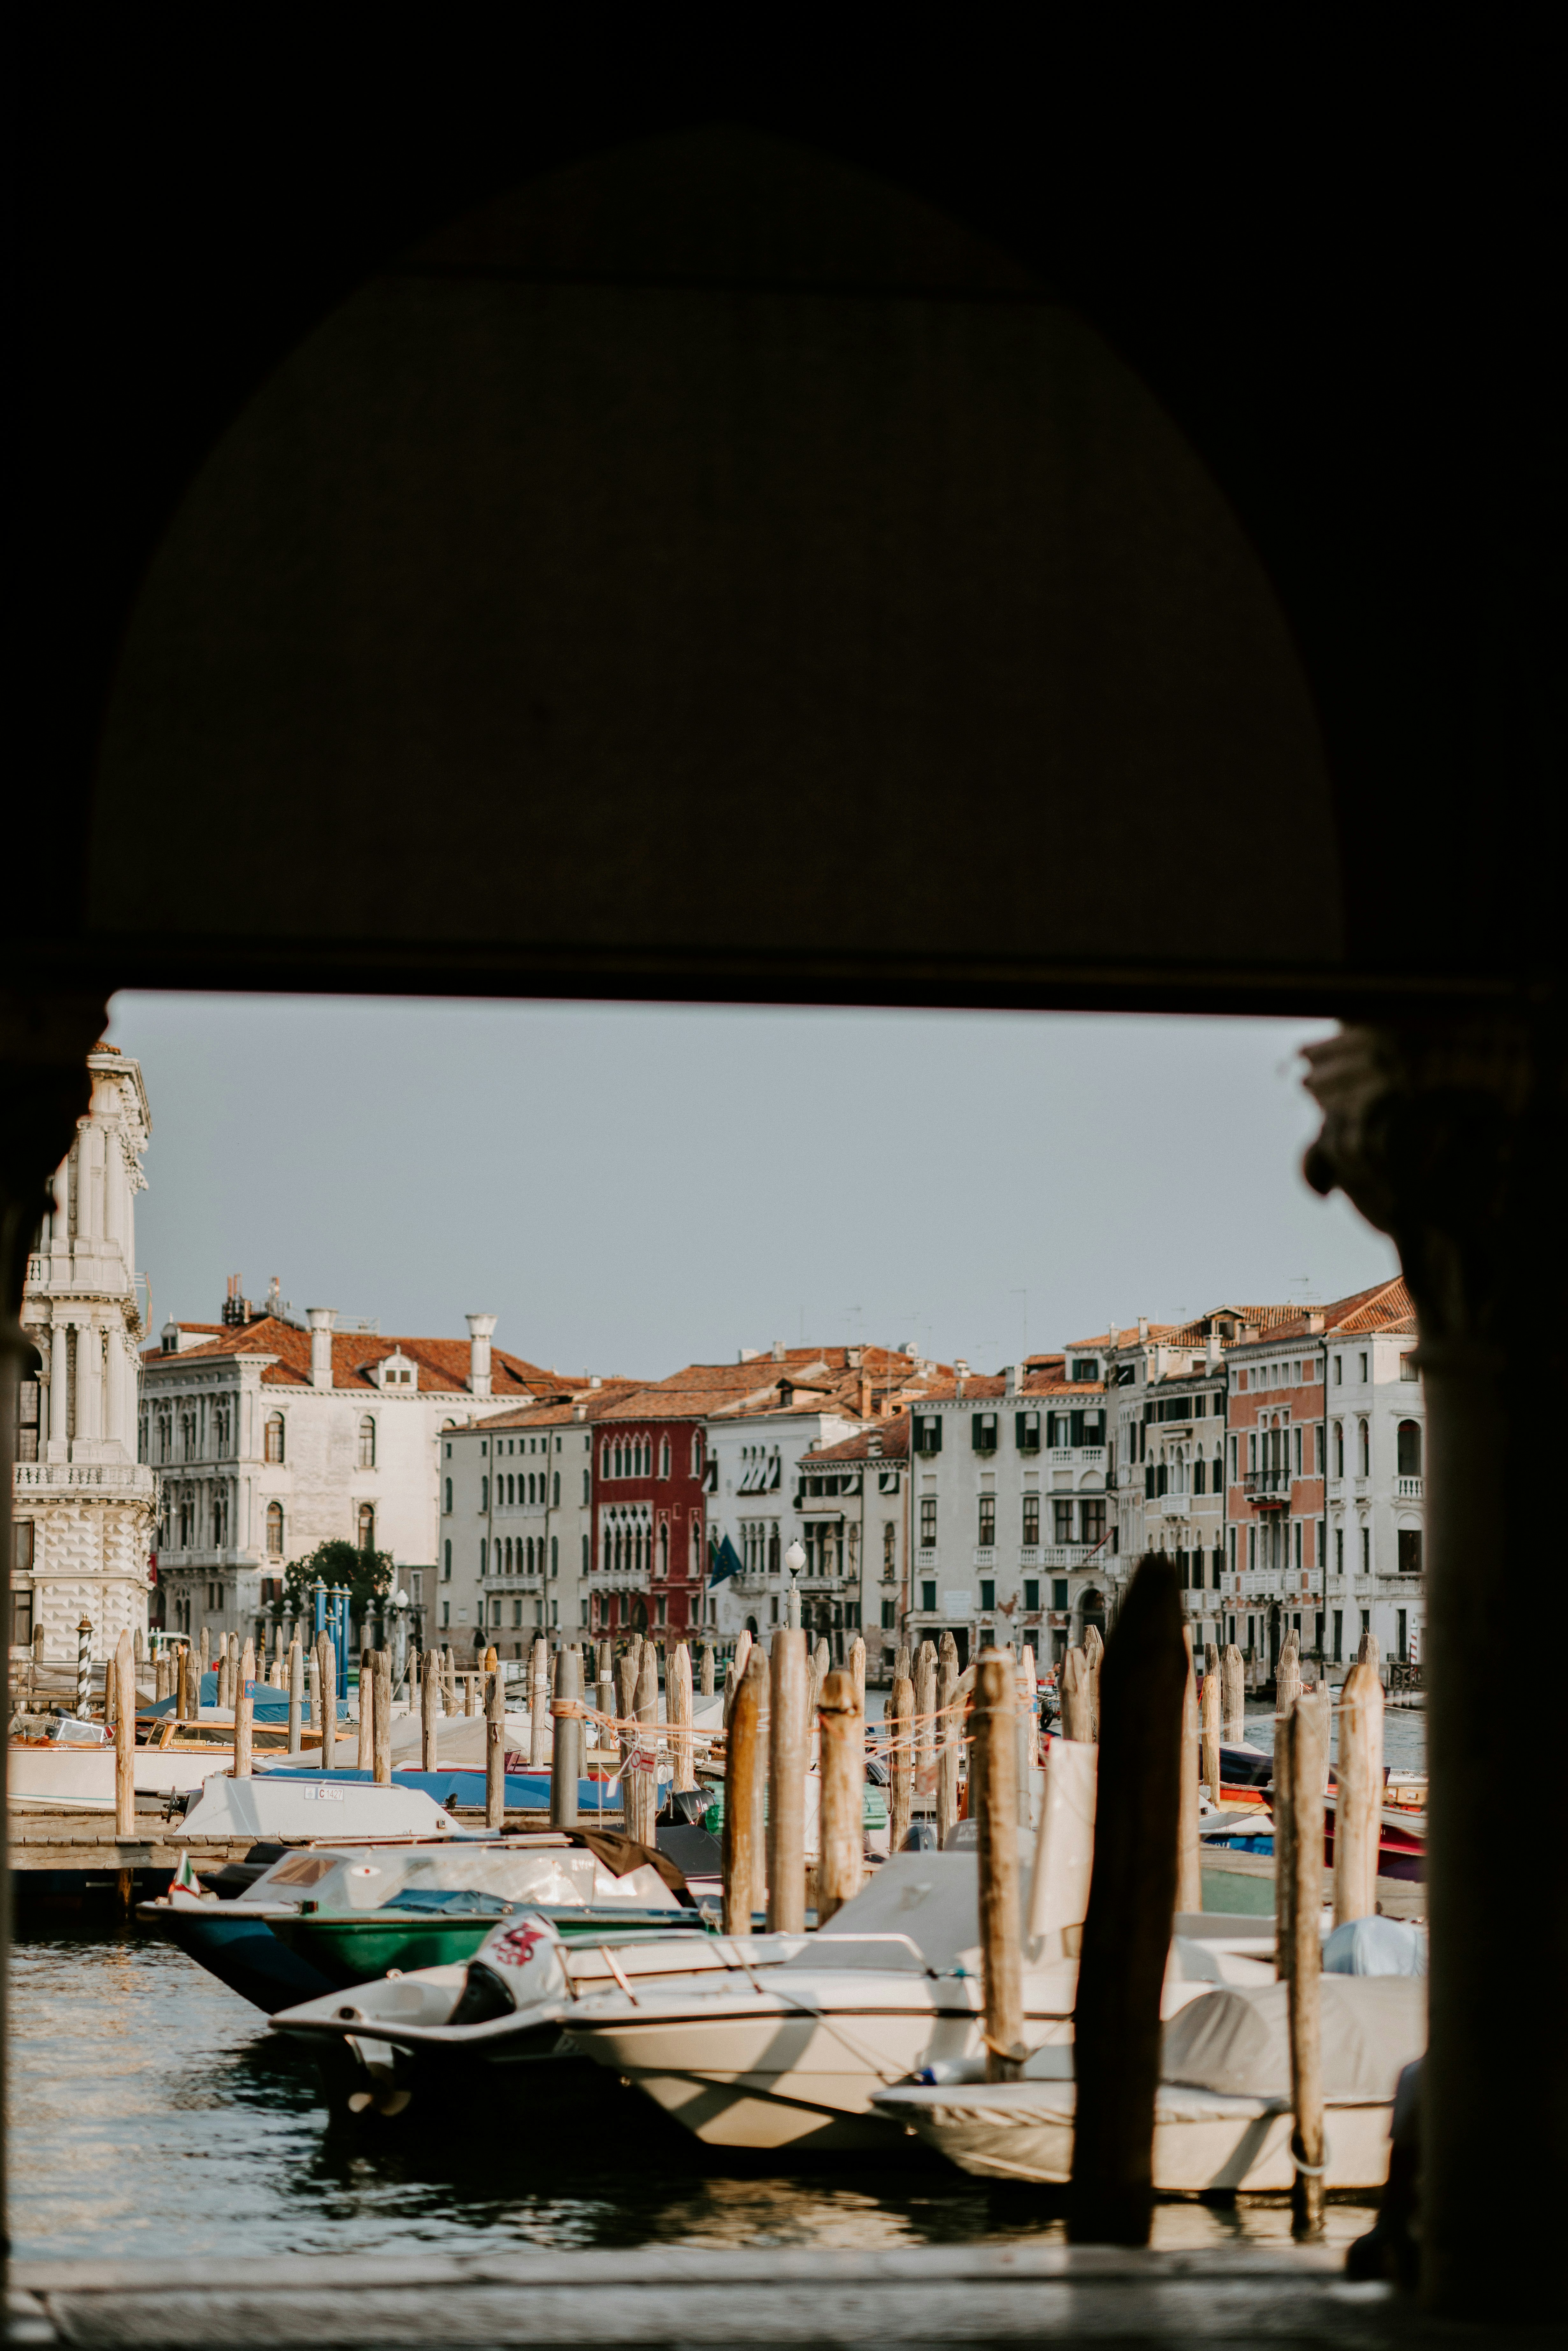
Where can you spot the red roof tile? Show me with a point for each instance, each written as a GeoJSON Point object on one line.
{"type": "Point", "coordinates": [355, 1355]}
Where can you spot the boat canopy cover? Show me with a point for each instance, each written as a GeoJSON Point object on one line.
{"type": "Point", "coordinates": [380, 1876]}
{"type": "Point", "coordinates": [1377, 1947]}
{"type": "Point", "coordinates": [1237, 2040]}
{"type": "Point", "coordinates": [932, 1897]}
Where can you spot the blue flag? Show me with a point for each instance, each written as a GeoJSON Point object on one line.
{"type": "Point", "coordinates": [726, 1563]}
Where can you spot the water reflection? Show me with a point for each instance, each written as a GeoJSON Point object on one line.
{"type": "Point", "coordinates": [152, 2114]}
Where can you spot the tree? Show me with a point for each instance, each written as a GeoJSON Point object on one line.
{"type": "Point", "coordinates": [367, 1574]}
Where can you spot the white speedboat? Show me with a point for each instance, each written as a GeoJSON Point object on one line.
{"type": "Point", "coordinates": [1222, 2117]}
{"type": "Point", "coordinates": [508, 2006]}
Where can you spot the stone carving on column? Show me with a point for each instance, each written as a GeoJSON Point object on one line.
{"type": "Point", "coordinates": [1446, 1135]}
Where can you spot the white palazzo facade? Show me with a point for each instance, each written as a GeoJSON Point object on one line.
{"type": "Point", "coordinates": [83, 1505]}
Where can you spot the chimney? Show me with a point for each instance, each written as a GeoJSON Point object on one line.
{"type": "Point", "coordinates": [778, 1351]}
{"type": "Point", "coordinates": [1113, 1337]}
{"type": "Point", "coordinates": [319, 1318]}
{"type": "Point", "coordinates": [1142, 1326]}
{"type": "Point", "coordinates": [479, 1328]}
{"type": "Point", "coordinates": [1211, 1352]}
{"type": "Point", "coordinates": [866, 1401]}
{"type": "Point", "coordinates": [1012, 1379]}
{"type": "Point", "coordinates": [1315, 1323]}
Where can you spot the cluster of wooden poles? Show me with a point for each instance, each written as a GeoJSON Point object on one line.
{"type": "Point", "coordinates": [1137, 1701]}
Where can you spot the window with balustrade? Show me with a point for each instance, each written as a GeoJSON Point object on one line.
{"type": "Point", "coordinates": [1410, 1443]}
{"type": "Point", "coordinates": [985, 1533]}
{"type": "Point", "coordinates": [1031, 1520]}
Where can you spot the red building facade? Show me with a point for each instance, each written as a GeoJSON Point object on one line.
{"type": "Point", "coordinates": [648, 1566]}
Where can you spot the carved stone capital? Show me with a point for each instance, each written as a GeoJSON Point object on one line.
{"type": "Point", "coordinates": [1445, 1136]}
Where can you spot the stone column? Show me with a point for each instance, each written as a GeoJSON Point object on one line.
{"type": "Point", "coordinates": [59, 1392]}
{"type": "Point", "coordinates": [117, 1370]}
{"type": "Point", "coordinates": [87, 1368]}
{"type": "Point", "coordinates": [1447, 1136]}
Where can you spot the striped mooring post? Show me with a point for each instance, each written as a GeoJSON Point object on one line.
{"type": "Point", "coordinates": [84, 1666]}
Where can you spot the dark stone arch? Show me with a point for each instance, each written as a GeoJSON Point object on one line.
{"type": "Point", "coordinates": [718, 483]}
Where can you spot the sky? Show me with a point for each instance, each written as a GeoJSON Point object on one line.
{"type": "Point", "coordinates": [630, 1189]}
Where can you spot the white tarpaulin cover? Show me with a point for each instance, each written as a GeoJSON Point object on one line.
{"type": "Point", "coordinates": [1236, 2041]}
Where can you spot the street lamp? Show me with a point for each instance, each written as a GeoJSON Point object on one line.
{"type": "Point", "coordinates": [400, 1654]}
{"type": "Point", "coordinates": [794, 1560]}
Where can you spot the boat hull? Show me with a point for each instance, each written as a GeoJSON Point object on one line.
{"type": "Point", "coordinates": [243, 1953]}
{"type": "Point", "coordinates": [768, 2076]}
{"type": "Point", "coordinates": [1204, 2143]}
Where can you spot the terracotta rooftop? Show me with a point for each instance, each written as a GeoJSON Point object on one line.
{"type": "Point", "coordinates": [355, 1355]}
{"type": "Point", "coordinates": [989, 1387]}
{"type": "Point", "coordinates": [588, 1403]}
{"type": "Point", "coordinates": [890, 1438]}
{"type": "Point", "coordinates": [1380, 1308]}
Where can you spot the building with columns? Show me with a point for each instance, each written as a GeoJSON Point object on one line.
{"type": "Point", "coordinates": [83, 1503]}
{"type": "Point", "coordinates": [268, 1437]}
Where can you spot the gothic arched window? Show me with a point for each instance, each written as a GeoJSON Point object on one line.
{"type": "Point", "coordinates": [275, 1521]}
{"type": "Point", "coordinates": [272, 1449]}
{"type": "Point", "coordinates": [367, 1526]}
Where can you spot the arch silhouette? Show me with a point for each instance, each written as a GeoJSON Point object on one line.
{"type": "Point", "coordinates": [720, 482]}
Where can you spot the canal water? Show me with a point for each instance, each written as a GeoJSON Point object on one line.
{"type": "Point", "coordinates": [152, 2114]}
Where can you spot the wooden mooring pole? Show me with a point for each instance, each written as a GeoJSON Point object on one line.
{"type": "Point", "coordinates": [1305, 1759]}
{"type": "Point", "coordinates": [842, 1727]}
{"type": "Point", "coordinates": [678, 1709]}
{"type": "Point", "coordinates": [428, 1721]}
{"type": "Point", "coordinates": [380, 1750]}
{"type": "Point", "coordinates": [566, 1749]}
{"type": "Point", "coordinates": [899, 1715]}
{"type": "Point", "coordinates": [1132, 1897]}
{"type": "Point", "coordinates": [367, 1748]}
{"type": "Point", "coordinates": [1209, 1722]}
{"type": "Point", "coordinates": [745, 1799]}
{"type": "Point", "coordinates": [124, 1669]}
{"type": "Point", "coordinates": [295, 1695]}
{"type": "Point", "coordinates": [495, 1751]}
{"type": "Point", "coordinates": [244, 1720]}
{"type": "Point", "coordinates": [1358, 1800]}
{"type": "Point", "coordinates": [993, 1806]}
{"type": "Point", "coordinates": [1190, 1851]}
{"type": "Point", "coordinates": [1077, 1719]}
{"type": "Point", "coordinates": [540, 1726]}
{"type": "Point", "coordinates": [788, 1751]}
{"type": "Point", "coordinates": [948, 1729]}
{"type": "Point", "coordinates": [1232, 1697]}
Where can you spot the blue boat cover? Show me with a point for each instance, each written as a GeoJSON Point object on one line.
{"type": "Point", "coordinates": [268, 1705]}
{"type": "Point", "coordinates": [1377, 1947]}
{"type": "Point", "coordinates": [525, 1791]}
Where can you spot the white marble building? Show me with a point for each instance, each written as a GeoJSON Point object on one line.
{"type": "Point", "coordinates": [516, 1518]}
{"type": "Point", "coordinates": [754, 1460]}
{"type": "Point", "coordinates": [1009, 1532]}
{"type": "Point", "coordinates": [267, 1439]}
{"type": "Point", "coordinates": [83, 1503]}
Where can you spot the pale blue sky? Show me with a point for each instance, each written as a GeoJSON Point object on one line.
{"type": "Point", "coordinates": [630, 1189]}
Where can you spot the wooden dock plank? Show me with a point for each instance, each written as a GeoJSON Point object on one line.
{"type": "Point", "coordinates": [912, 2296]}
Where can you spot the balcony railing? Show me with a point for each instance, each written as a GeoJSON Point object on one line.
{"type": "Point", "coordinates": [78, 1477]}
{"type": "Point", "coordinates": [1409, 1489]}
{"type": "Point", "coordinates": [1176, 1505]}
{"type": "Point", "coordinates": [1268, 1485]}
